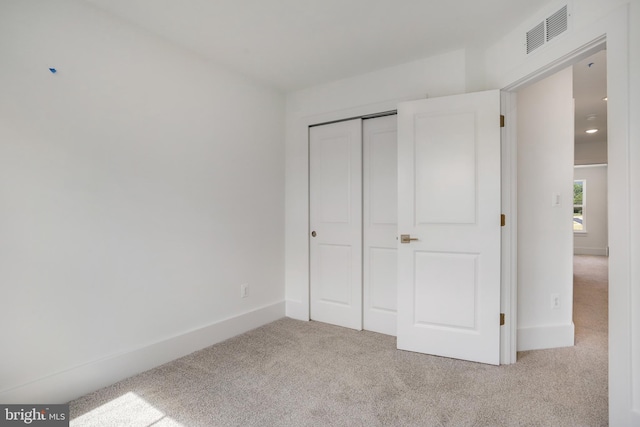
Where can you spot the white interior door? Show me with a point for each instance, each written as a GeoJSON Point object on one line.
{"type": "Point", "coordinates": [380, 203]}
{"type": "Point", "coordinates": [335, 210]}
{"type": "Point", "coordinates": [449, 201]}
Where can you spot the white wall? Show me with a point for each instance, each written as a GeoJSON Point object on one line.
{"type": "Point", "coordinates": [508, 66]}
{"type": "Point", "coordinates": [589, 153]}
{"type": "Point", "coordinates": [436, 76]}
{"type": "Point", "coordinates": [594, 240]}
{"type": "Point", "coordinates": [366, 94]}
{"type": "Point", "coordinates": [545, 236]}
{"type": "Point", "coordinates": [506, 61]}
{"type": "Point", "coordinates": [632, 330]}
{"type": "Point", "coordinates": [139, 187]}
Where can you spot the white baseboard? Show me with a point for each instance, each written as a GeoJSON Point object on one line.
{"type": "Point", "coordinates": [70, 384]}
{"type": "Point", "coordinates": [297, 310]}
{"type": "Point", "coordinates": [590, 251]}
{"type": "Point", "coordinates": [543, 337]}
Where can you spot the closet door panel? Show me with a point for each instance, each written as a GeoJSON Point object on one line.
{"type": "Point", "coordinates": [380, 187]}
{"type": "Point", "coordinates": [335, 204]}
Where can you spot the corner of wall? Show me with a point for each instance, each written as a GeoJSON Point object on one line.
{"type": "Point", "coordinates": [297, 310]}
{"type": "Point", "coordinates": [72, 383]}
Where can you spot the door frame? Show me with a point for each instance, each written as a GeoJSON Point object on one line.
{"type": "Point", "coordinates": [611, 32]}
{"type": "Point", "coordinates": [510, 187]}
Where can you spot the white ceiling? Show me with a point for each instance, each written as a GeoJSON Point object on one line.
{"type": "Point", "coordinates": [292, 44]}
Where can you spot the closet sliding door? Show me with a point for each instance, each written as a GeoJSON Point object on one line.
{"type": "Point", "coordinates": [335, 219]}
{"type": "Point", "coordinates": [353, 225]}
{"type": "Point", "coordinates": [380, 209]}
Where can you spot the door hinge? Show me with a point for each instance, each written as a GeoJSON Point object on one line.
{"type": "Point", "coordinates": [503, 220]}
{"type": "Point", "coordinates": [501, 319]}
{"type": "Point", "coordinates": [501, 121]}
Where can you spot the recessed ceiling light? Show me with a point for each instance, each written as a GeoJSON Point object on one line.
{"type": "Point", "coordinates": [605, 98]}
{"type": "Point", "coordinates": [592, 131]}
{"type": "Point", "coordinates": [591, 117]}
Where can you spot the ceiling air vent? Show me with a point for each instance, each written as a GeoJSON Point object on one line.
{"type": "Point", "coordinates": [548, 29]}
{"type": "Point", "coordinates": [535, 37]}
{"type": "Point", "coordinates": [557, 23]}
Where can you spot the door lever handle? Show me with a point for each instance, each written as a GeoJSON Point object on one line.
{"type": "Point", "coordinates": [406, 238]}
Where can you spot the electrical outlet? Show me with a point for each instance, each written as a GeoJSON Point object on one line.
{"type": "Point", "coordinates": [244, 290]}
{"type": "Point", "coordinates": [555, 301]}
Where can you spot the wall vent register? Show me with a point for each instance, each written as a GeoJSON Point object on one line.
{"type": "Point", "coordinates": [547, 30]}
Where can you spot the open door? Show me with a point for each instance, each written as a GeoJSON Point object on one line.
{"type": "Point", "coordinates": [449, 214]}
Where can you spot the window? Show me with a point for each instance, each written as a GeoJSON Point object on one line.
{"type": "Point", "coordinates": [579, 205]}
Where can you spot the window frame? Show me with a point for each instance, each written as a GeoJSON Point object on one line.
{"type": "Point", "coordinates": [583, 205]}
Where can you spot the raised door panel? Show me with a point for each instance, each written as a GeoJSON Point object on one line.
{"type": "Point", "coordinates": [445, 165]}
{"type": "Point", "coordinates": [446, 290]}
{"type": "Point", "coordinates": [333, 179]}
{"type": "Point", "coordinates": [383, 271]}
{"type": "Point", "coordinates": [334, 274]}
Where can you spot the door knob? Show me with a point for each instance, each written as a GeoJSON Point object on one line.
{"type": "Point", "coordinates": [313, 234]}
{"type": "Point", "coordinates": [406, 238]}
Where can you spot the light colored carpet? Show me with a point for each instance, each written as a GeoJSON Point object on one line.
{"type": "Point", "coordinates": [292, 373]}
